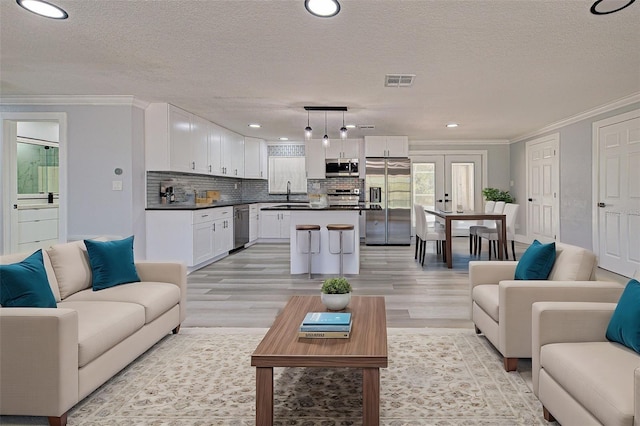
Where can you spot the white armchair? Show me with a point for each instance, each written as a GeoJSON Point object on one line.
{"type": "Point", "coordinates": [501, 305]}
{"type": "Point", "coordinates": [578, 375]}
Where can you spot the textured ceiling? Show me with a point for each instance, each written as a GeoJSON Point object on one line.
{"type": "Point", "coordinates": [500, 68]}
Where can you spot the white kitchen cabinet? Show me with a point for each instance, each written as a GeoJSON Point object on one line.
{"type": "Point", "coordinates": [237, 156]}
{"type": "Point", "coordinates": [254, 222]}
{"type": "Point", "coordinates": [179, 139]}
{"type": "Point", "coordinates": [200, 144]}
{"type": "Point", "coordinates": [348, 149]}
{"type": "Point", "coordinates": [274, 224]}
{"type": "Point", "coordinates": [314, 159]}
{"type": "Point", "coordinates": [386, 146]}
{"type": "Point", "coordinates": [255, 158]}
{"type": "Point", "coordinates": [215, 148]}
{"type": "Point", "coordinates": [223, 235]}
{"type": "Point", "coordinates": [192, 237]}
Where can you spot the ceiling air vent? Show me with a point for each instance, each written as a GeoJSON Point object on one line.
{"type": "Point", "coordinates": [399, 80]}
{"type": "Point", "coordinates": [366, 126]}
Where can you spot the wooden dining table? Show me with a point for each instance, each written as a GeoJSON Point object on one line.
{"type": "Point", "coordinates": [449, 217]}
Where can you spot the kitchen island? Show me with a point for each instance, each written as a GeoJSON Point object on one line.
{"type": "Point", "coordinates": [324, 262]}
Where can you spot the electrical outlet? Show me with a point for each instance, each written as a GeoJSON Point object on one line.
{"type": "Point", "coordinates": [236, 186]}
{"type": "Point", "coordinates": [116, 185]}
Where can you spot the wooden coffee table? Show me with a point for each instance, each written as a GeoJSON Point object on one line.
{"type": "Point", "coordinates": [366, 349]}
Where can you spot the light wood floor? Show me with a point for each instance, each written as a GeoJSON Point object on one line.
{"type": "Point", "coordinates": [249, 287]}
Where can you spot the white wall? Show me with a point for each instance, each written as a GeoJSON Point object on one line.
{"type": "Point", "coordinates": [100, 139]}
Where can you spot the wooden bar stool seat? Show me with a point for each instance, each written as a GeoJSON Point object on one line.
{"type": "Point", "coordinates": [307, 230]}
{"type": "Point", "coordinates": [341, 228]}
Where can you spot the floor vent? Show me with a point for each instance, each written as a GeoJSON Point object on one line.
{"type": "Point", "coordinates": [399, 80]}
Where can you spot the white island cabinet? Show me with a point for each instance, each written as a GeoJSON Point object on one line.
{"type": "Point", "coordinates": [194, 237]}
{"type": "Point", "coordinates": [327, 261]}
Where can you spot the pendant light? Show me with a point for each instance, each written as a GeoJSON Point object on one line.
{"type": "Point", "coordinates": [343, 129]}
{"type": "Point", "coordinates": [308, 130]}
{"type": "Point", "coordinates": [325, 139]}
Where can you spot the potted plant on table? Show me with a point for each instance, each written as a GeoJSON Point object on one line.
{"type": "Point", "coordinates": [336, 293]}
{"type": "Point", "coordinates": [495, 194]}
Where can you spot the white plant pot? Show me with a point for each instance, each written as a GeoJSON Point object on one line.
{"type": "Point", "coordinates": [335, 302]}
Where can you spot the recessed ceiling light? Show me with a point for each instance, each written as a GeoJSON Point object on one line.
{"type": "Point", "coordinates": [43, 8]}
{"type": "Point", "coordinates": [351, 126]}
{"type": "Point", "coordinates": [255, 125]}
{"type": "Point", "coordinates": [322, 8]}
{"type": "Point", "coordinates": [284, 139]}
{"type": "Point", "coordinates": [452, 125]}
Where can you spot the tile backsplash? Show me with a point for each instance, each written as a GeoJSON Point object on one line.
{"type": "Point", "coordinates": [234, 190]}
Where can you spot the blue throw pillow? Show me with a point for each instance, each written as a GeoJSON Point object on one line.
{"type": "Point", "coordinates": [536, 262]}
{"type": "Point", "coordinates": [25, 284]}
{"type": "Point", "coordinates": [624, 326]}
{"type": "Point", "coordinates": [111, 263]}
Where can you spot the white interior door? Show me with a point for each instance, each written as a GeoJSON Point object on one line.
{"type": "Point", "coordinates": [619, 194]}
{"type": "Point", "coordinates": [543, 187]}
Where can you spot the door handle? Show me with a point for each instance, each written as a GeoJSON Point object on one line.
{"type": "Point", "coordinates": [530, 199]}
{"type": "Point", "coordinates": [601, 205]}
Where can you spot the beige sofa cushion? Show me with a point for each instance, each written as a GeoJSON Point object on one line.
{"type": "Point", "coordinates": [156, 298]}
{"type": "Point", "coordinates": [599, 375]}
{"type": "Point", "coordinates": [71, 265]}
{"type": "Point", "coordinates": [102, 325]}
{"type": "Point", "coordinates": [8, 259]}
{"type": "Point", "coordinates": [572, 264]}
{"type": "Point", "coordinates": [487, 297]}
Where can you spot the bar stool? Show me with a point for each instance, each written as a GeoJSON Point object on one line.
{"type": "Point", "coordinates": [301, 230]}
{"type": "Point", "coordinates": [341, 228]}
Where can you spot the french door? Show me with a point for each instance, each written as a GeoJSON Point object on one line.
{"type": "Point", "coordinates": [618, 200]}
{"type": "Point", "coordinates": [449, 182]}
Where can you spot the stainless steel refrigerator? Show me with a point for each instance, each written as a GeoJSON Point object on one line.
{"type": "Point", "coordinates": [388, 192]}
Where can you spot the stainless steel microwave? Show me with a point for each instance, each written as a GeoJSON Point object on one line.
{"type": "Point", "coordinates": [336, 167]}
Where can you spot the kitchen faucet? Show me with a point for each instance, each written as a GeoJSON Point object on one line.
{"type": "Point", "coordinates": [288, 190]}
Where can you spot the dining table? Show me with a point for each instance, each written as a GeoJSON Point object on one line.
{"type": "Point", "coordinates": [450, 216]}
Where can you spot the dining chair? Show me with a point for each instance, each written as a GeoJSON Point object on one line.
{"type": "Point", "coordinates": [473, 230]}
{"type": "Point", "coordinates": [491, 235]}
{"type": "Point", "coordinates": [430, 233]}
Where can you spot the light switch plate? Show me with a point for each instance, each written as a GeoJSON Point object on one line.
{"type": "Point", "coordinates": [116, 185]}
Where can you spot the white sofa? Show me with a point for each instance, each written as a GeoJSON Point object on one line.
{"type": "Point", "coordinates": [581, 378]}
{"type": "Point", "coordinates": [501, 306]}
{"type": "Point", "coordinates": [52, 358]}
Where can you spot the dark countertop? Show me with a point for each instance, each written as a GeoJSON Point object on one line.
{"type": "Point", "coordinates": [185, 206]}
{"type": "Point", "coordinates": [289, 207]}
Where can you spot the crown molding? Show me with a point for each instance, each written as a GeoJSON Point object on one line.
{"type": "Point", "coordinates": [417, 144]}
{"type": "Point", "coordinates": [622, 102]}
{"type": "Point", "coordinates": [127, 100]}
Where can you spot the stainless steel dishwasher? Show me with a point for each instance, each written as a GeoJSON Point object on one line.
{"type": "Point", "coordinates": [240, 225]}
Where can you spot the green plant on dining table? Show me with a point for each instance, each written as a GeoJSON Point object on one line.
{"type": "Point", "coordinates": [338, 285]}
{"type": "Point", "coordinates": [495, 194]}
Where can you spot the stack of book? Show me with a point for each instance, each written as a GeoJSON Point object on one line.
{"type": "Point", "coordinates": [326, 325]}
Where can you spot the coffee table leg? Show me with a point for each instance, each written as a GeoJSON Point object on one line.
{"type": "Point", "coordinates": [371, 396]}
{"type": "Point", "coordinates": [264, 396]}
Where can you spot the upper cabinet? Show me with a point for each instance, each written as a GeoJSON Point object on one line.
{"type": "Point", "coordinates": [386, 146]}
{"type": "Point", "coordinates": [255, 158]}
{"type": "Point", "coordinates": [338, 148]}
{"type": "Point", "coordinates": [176, 140]}
{"type": "Point", "coordinates": [314, 155]}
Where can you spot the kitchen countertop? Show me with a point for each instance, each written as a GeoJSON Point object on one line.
{"type": "Point", "coordinates": [186, 206]}
{"type": "Point", "coordinates": [290, 207]}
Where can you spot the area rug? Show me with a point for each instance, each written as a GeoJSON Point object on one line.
{"type": "Point", "coordinates": [435, 377]}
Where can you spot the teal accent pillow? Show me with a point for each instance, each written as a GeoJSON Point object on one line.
{"type": "Point", "coordinates": [536, 262]}
{"type": "Point", "coordinates": [624, 325]}
{"type": "Point", "coordinates": [25, 284]}
{"type": "Point", "coordinates": [111, 263]}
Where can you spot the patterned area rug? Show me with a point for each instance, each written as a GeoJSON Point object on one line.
{"type": "Point", "coordinates": [435, 377]}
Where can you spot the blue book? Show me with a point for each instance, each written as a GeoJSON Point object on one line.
{"type": "Point", "coordinates": [327, 327]}
{"type": "Point", "coordinates": [327, 318]}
